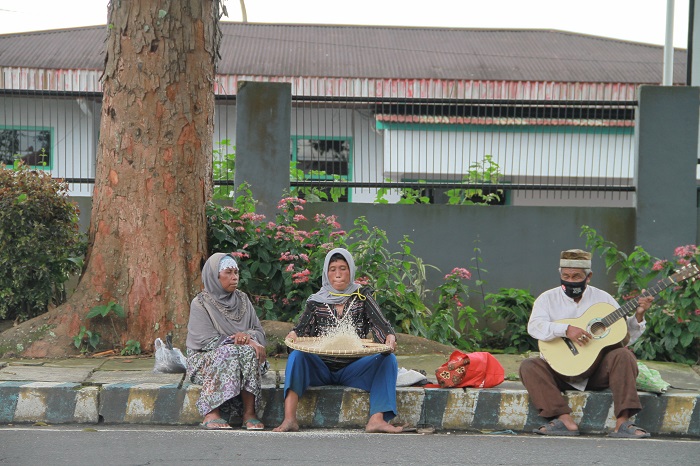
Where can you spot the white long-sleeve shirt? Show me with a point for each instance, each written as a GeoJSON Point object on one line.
{"type": "Point", "coordinates": [554, 305]}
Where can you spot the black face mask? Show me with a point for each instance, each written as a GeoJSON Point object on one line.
{"type": "Point", "coordinates": [573, 289]}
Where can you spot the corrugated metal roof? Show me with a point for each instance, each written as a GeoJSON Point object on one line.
{"type": "Point", "coordinates": [378, 52]}
{"type": "Point", "coordinates": [499, 121]}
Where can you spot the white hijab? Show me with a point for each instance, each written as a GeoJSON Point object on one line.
{"type": "Point", "coordinates": [329, 295]}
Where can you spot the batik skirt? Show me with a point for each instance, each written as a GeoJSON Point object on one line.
{"type": "Point", "coordinates": [224, 371]}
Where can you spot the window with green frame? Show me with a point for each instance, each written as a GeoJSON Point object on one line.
{"type": "Point", "coordinates": [31, 144]}
{"type": "Point", "coordinates": [329, 158]}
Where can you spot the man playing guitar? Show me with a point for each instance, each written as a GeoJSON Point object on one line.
{"type": "Point", "coordinates": [616, 368]}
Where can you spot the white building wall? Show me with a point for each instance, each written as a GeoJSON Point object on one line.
{"type": "Point", "coordinates": [396, 154]}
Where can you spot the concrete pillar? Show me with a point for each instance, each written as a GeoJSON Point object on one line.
{"type": "Point", "coordinates": [666, 144]}
{"type": "Point", "coordinates": [263, 122]}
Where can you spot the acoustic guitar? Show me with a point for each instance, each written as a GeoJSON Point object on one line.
{"type": "Point", "coordinates": [607, 327]}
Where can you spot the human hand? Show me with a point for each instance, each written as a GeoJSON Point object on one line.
{"type": "Point", "coordinates": [292, 336]}
{"type": "Point", "coordinates": [260, 351]}
{"type": "Point", "coordinates": [643, 305]}
{"type": "Point", "coordinates": [391, 342]}
{"type": "Point", "coordinates": [578, 335]}
{"type": "Point", "coordinates": [240, 338]}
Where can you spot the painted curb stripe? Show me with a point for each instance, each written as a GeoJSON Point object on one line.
{"type": "Point", "coordinates": [694, 425]}
{"type": "Point", "coordinates": [9, 394]}
{"type": "Point", "coordinates": [113, 401]}
{"type": "Point", "coordinates": [487, 409]}
{"type": "Point", "coordinates": [433, 406]}
{"type": "Point", "coordinates": [652, 414]}
{"type": "Point", "coordinates": [60, 403]}
{"type": "Point", "coordinates": [327, 412]}
{"type": "Point", "coordinates": [169, 401]}
{"type": "Point", "coordinates": [596, 411]}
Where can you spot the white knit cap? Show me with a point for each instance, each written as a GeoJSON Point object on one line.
{"type": "Point", "coordinates": [575, 259]}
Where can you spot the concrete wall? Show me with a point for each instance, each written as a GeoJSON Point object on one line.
{"type": "Point", "coordinates": [519, 246]}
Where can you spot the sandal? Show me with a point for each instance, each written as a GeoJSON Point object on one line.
{"type": "Point", "coordinates": [557, 428]}
{"type": "Point", "coordinates": [208, 425]}
{"type": "Point", "coordinates": [253, 424]}
{"type": "Point", "coordinates": [629, 430]}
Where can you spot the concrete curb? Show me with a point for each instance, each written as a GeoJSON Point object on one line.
{"type": "Point", "coordinates": [505, 407]}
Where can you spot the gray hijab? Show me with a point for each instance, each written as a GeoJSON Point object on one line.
{"type": "Point", "coordinates": [227, 303]}
{"type": "Point", "coordinates": [329, 295]}
{"type": "Point", "coordinates": [215, 308]}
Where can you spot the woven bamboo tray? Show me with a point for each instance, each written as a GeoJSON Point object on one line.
{"type": "Point", "coordinates": [310, 345]}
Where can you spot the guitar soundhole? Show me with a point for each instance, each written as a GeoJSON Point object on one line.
{"type": "Point", "coordinates": [597, 329]}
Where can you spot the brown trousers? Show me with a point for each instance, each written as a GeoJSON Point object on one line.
{"type": "Point", "coordinates": [617, 370]}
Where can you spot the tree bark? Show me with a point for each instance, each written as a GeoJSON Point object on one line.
{"type": "Point", "coordinates": [147, 236]}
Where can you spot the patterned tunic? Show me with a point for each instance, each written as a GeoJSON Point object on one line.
{"type": "Point", "coordinates": [364, 313]}
{"type": "Point", "coordinates": [223, 371]}
{"type": "Point", "coordinates": [221, 367]}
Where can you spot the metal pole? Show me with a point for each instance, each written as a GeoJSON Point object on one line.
{"type": "Point", "coordinates": [693, 46]}
{"type": "Point", "coordinates": [668, 45]}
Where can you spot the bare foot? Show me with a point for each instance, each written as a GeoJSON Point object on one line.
{"type": "Point", "coordinates": [287, 426]}
{"type": "Point", "coordinates": [374, 427]}
{"type": "Point", "coordinates": [568, 422]}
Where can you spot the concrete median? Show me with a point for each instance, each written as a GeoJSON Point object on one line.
{"type": "Point", "coordinates": [126, 391]}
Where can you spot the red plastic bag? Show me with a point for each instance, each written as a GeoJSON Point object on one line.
{"type": "Point", "coordinates": [479, 369]}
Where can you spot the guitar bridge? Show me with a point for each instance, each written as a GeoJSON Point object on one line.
{"type": "Point", "coordinates": [571, 346]}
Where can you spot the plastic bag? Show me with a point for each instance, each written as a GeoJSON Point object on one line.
{"type": "Point", "coordinates": [169, 360]}
{"type": "Point", "coordinates": [407, 378]}
{"type": "Point", "coordinates": [649, 380]}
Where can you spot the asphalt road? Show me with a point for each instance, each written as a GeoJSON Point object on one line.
{"type": "Point", "coordinates": [131, 445]}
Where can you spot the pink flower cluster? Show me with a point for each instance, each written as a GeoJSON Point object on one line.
{"type": "Point", "coordinates": [659, 265]}
{"type": "Point", "coordinates": [241, 255]}
{"type": "Point", "coordinates": [289, 257]}
{"type": "Point", "coordinates": [330, 220]}
{"type": "Point", "coordinates": [294, 202]}
{"type": "Point", "coordinates": [253, 217]}
{"type": "Point", "coordinates": [459, 272]}
{"type": "Point", "coordinates": [301, 277]}
{"type": "Point", "coordinates": [686, 251]}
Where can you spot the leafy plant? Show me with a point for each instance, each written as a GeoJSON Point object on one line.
{"type": "Point", "coordinates": [510, 309]}
{"type": "Point", "coordinates": [485, 171]}
{"type": "Point", "coordinates": [104, 311]}
{"type": "Point", "coordinates": [289, 259]}
{"type": "Point", "coordinates": [40, 242]}
{"type": "Point", "coordinates": [86, 339]}
{"type": "Point", "coordinates": [131, 348]}
{"type": "Point", "coordinates": [453, 321]}
{"type": "Point", "coordinates": [673, 321]}
{"type": "Point", "coordinates": [313, 193]}
{"type": "Point", "coordinates": [398, 277]}
{"type": "Point", "coordinates": [224, 169]}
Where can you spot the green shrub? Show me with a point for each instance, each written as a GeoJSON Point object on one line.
{"type": "Point", "coordinates": [511, 307]}
{"type": "Point", "coordinates": [224, 169]}
{"type": "Point", "coordinates": [673, 321]}
{"type": "Point", "coordinates": [40, 243]}
{"type": "Point", "coordinates": [288, 260]}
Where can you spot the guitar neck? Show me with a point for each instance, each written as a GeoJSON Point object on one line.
{"type": "Point", "coordinates": [630, 306]}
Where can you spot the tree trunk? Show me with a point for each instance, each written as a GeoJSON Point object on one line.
{"type": "Point", "coordinates": [147, 237]}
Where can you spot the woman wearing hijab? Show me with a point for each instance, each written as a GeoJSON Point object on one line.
{"type": "Point", "coordinates": [338, 299]}
{"type": "Point", "coordinates": [225, 348]}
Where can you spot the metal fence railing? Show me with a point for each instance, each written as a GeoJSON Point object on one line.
{"type": "Point", "coordinates": [370, 148]}
{"type": "Point", "coordinates": [437, 146]}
